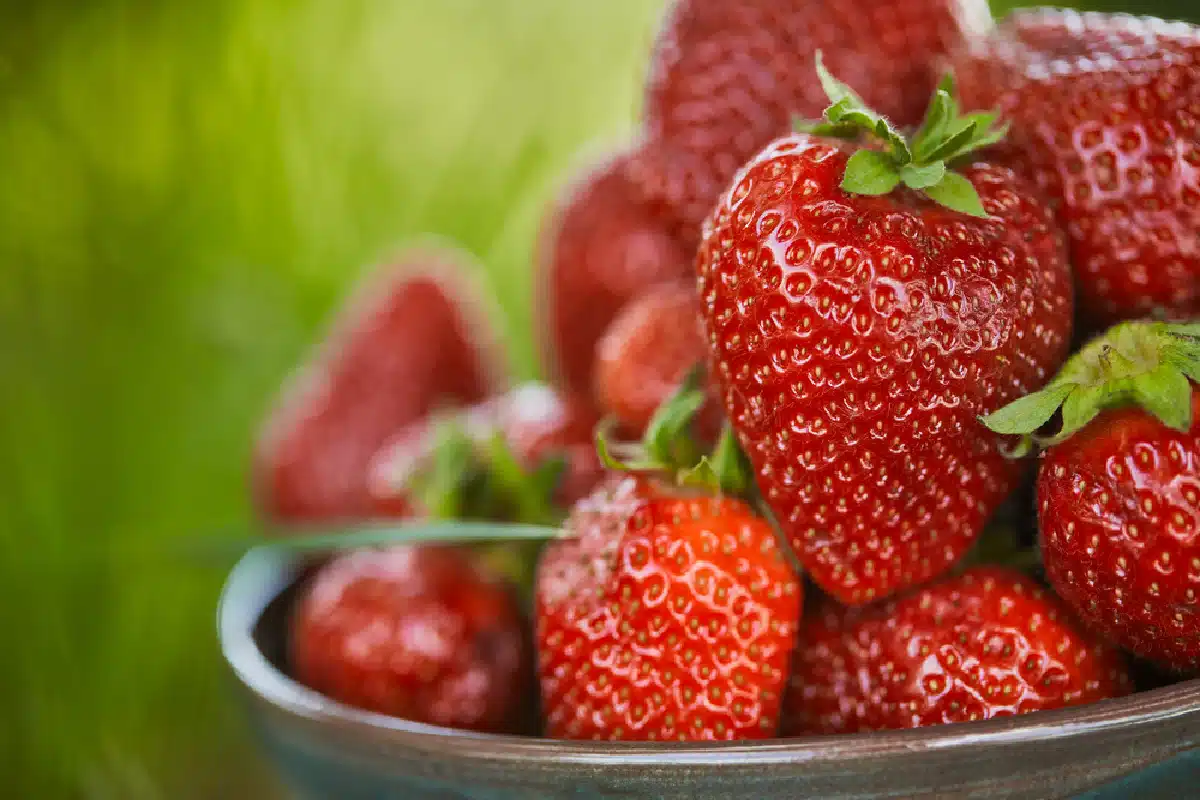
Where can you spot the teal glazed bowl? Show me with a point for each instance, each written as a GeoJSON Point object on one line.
{"type": "Point", "coordinates": [1143, 746]}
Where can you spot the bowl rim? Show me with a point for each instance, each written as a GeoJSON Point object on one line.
{"type": "Point", "coordinates": [264, 573]}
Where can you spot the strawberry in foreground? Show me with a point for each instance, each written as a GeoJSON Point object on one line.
{"type": "Point", "coordinates": [984, 644]}
{"type": "Point", "coordinates": [1119, 487]}
{"type": "Point", "coordinates": [418, 632]}
{"type": "Point", "coordinates": [646, 354]}
{"type": "Point", "coordinates": [1106, 115]}
{"type": "Point", "coordinates": [408, 342]}
{"type": "Point", "coordinates": [602, 248]}
{"type": "Point", "coordinates": [729, 76]}
{"type": "Point", "coordinates": [863, 307]}
{"type": "Point", "coordinates": [664, 614]}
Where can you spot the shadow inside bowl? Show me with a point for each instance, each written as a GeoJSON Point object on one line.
{"type": "Point", "coordinates": [1140, 746]}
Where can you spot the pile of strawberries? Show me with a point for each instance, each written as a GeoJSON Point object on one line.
{"type": "Point", "coordinates": [792, 378]}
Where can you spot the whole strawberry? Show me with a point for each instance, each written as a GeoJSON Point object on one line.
{"type": "Point", "coordinates": [646, 354]}
{"type": "Point", "coordinates": [730, 76]}
{"type": "Point", "coordinates": [531, 425]}
{"type": "Point", "coordinates": [862, 307]}
{"type": "Point", "coordinates": [603, 247]}
{"type": "Point", "coordinates": [408, 342]}
{"type": "Point", "coordinates": [664, 614]}
{"type": "Point", "coordinates": [987, 643]}
{"type": "Point", "coordinates": [1106, 116]}
{"type": "Point", "coordinates": [415, 632]}
{"type": "Point", "coordinates": [1118, 488]}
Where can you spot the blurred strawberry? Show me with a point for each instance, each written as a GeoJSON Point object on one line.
{"type": "Point", "coordinates": [422, 633]}
{"type": "Point", "coordinates": [729, 76]}
{"type": "Point", "coordinates": [601, 249]}
{"type": "Point", "coordinates": [987, 643]}
{"type": "Point", "coordinates": [408, 342]}
{"type": "Point", "coordinates": [529, 426]}
{"type": "Point", "coordinates": [645, 355]}
{"type": "Point", "coordinates": [1106, 114]}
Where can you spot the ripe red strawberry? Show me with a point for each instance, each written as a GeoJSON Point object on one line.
{"type": "Point", "coordinates": [646, 354]}
{"type": "Point", "coordinates": [535, 422]}
{"type": "Point", "coordinates": [987, 643]}
{"type": "Point", "coordinates": [1119, 489]}
{"type": "Point", "coordinates": [857, 328]}
{"type": "Point", "coordinates": [729, 76]}
{"type": "Point", "coordinates": [407, 343]}
{"type": "Point", "coordinates": [603, 248]}
{"type": "Point", "coordinates": [664, 614]}
{"type": "Point", "coordinates": [415, 632]}
{"type": "Point", "coordinates": [1106, 117]}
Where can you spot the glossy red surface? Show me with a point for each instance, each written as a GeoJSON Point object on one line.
{"type": "Point", "coordinates": [1119, 512]}
{"type": "Point", "coordinates": [856, 340]}
{"type": "Point", "coordinates": [668, 617]}
{"type": "Point", "coordinates": [985, 644]}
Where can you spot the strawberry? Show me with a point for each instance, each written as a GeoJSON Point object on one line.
{"type": "Point", "coordinates": [1106, 116]}
{"type": "Point", "coordinates": [1118, 487]}
{"type": "Point", "coordinates": [729, 76]}
{"type": "Point", "coordinates": [415, 632]}
{"type": "Point", "coordinates": [858, 326]}
{"type": "Point", "coordinates": [645, 355]}
{"type": "Point", "coordinates": [408, 342]}
{"type": "Point", "coordinates": [603, 247]}
{"type": "Point", "coordinates": [535, 424]}
{"type": "Point", "coordinates": [987, 643]}
{"type": "Point", "coordinates": [663, 613]}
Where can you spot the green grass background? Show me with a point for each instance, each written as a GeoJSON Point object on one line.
{"type": "Point", "coordinates": [186, 190]}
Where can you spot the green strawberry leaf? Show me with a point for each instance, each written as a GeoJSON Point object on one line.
{"type": "Point", "coordinates": [939, 115]}
{"type": "Point", "coordinates": [958, 136]}
{"type": "Point", "coordinates": [944, 135]}
{"type": "Point", "coordinates": [956, 193]}
{"type": "Point", "coordinates": [1081, 407]}
{"type": "Point", "coordinates": [623, 457]}
{"type": "Point", "coordinates": [1143, 363]}
{"type": "Point", "coordinates": [870, 172]}
{"type": "Point", "coordinates": [668, 439]}
{"type": "Point", "coordinates": [726, 470]}
{"type": "Point", "coordinates": [835, 90]}
{"type": "Point", "coordinates": [847, 110]}
{"type": "Point", "coordinates": [1166, 393]}
{"type": "Point", "coordinates": [1031, 412]}
{"type": "Point", "coordinates": [917, 176]}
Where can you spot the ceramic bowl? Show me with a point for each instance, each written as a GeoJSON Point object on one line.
{"type": "Point", "coordinates": [1146, 745]}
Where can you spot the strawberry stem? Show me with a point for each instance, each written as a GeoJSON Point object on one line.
{"type": "Point", "coordinates": [668, 444]}
{"type": "Point", "coordinates": [1148, 364]}
{"type": "Point", "coordinates": [922, 164]}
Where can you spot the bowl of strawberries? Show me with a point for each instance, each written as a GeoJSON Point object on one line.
{"type": "Point", "coordinates": [867, 463]}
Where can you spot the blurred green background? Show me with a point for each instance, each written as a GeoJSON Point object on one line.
{"type": "Point", "coordinates": [186, 190]}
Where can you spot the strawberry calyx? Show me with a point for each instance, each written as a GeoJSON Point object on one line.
{"type": "Point", "coordinates": [468, 477]}
{"type": "Point", "coordinates": [922, 162]}
{"type": "Point", "coordinates": [1143, 363]}
{"type": "Point", "coordinates": [668, 446]}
